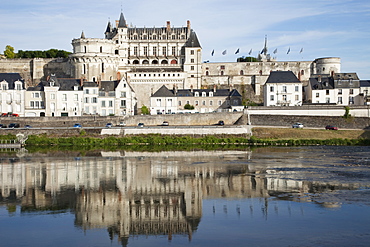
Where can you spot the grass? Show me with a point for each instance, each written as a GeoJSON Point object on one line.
{"type": "Point", "coordinates": [321, 134]}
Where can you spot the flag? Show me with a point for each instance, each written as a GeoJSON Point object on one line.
{"type": "Point", "coordinates": [213, 52]}
{"type": "Point", "coordinates": [250, 52]}
{"type": "Point", "coordinates": [275, 51]}
{"type": "Point", "coordinates": [237, 51]}
{"type": "Point", "coordinates": [288, 51]}
{"type": "Point", "coordinates": [224, 52]}
{"type": "Point", "coordinates": [301, 50]}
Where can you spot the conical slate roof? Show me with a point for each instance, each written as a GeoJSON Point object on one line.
{"type": "Point", "coordinates": [122, 21]}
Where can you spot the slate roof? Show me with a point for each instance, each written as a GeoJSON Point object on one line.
{"type": "Point", "coordinates": [193, 40]}
{"type": "Point", "coordinates": [122, 21]}
{"type": "Point", "coordinates": [365, 83]}
{"type": "Point", "coordinates": [346, 76]}
{"type": "Point", "coordinates": [68, 84]}
{"type": "Point", "coordinates": [282, 77]}
{"type": "Point", "coordinates": [326, 82]}
{"type": "Point", "coordinates": [10, 78]}
{"type": "Point", "coordinates": [108, 86]}
{"type": "Point", "coordinates": [165, 92]}
{"type": "Point", "coordinates": [90, 84]}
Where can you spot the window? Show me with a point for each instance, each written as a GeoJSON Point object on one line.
{"type": "Point", "coordinates": [196, 102]}
{"type": "Point", "coordinates": [4, 86]}
{"type": "Point", "coordinates": [271, 88]}
{"type": "Point", "coordinates": [340, 100]}
{"type": "Point", "coordinates": [174, 51]}
{"type": "Point", "coordinates": [164, 51]}
{"type": "Point", "coordinates": [103, 103]}
{"type": "Point", "coordinates": [110, 103]}
{"type": "Point", "coordinates": [211, 102]}
{"type": "Point", "coordinates": [179, 103]}
{"type": "Point", "coordinates": [284, 97]}
{"type": "Point", "coordinates": [296, 88]}
{"type": "Point", "coordinates": [145, 51]}
{"type": "Point", "coordinates": [284, 89]}
{"type": "Point", "coordinates": [135, 51]}
{"type": "Point", "coordinates": [32, 104]}
{"type": "Point", "coordinates": [19, 86]}
{"type": "Point", "coordinates": [327, 100]}
{"type": "Point", "coordinates": [86, 100]}
{"type": "Point", "coordinates": [123, 94]}
{"type": "Point", "coordinates": [123, 103]}
{"type": "Point", "coordinates": [191, 67]}
{"type": "Point", "coordinates": [64, 97]}
{"type": "Point", "coordinates": [222, 67]}
{"type": "Point", "coordinates": [52, 96]}
{"type": "Point", "coordinates": [219, 102]}
{"type": "Point", "coordinates": [210, 94]}
{"type": "Point", "coordinates": [169, 102]}
{"type": "Point", "coordinates": [86, 91]}
{"type": "Point", "coordinates": [102, 67]}
{"type": "Point", "coordinates": [158, 102]}
{"type": "Point", "coordinates": [204, 94]}
{"type": "Point", "coordinates": [351, 91]}
{"type": "Point", "coordinates": [94, 100]}
{"type": "Point", "coordinates": [272, 98]}
{"type": "Point", "coordinates": [327, 92]}
{"type": "Point", "coordinates": [317, 95]}
{"type": "Point", "coordinates": [339, 91]}
{"type": "Point", "coordinates": [203, 102]}
{"type": "Point", "coordinates": [351, 100]}
{"type": "Point", "coordinates": [192, 52]}
{"type": "Point", "coordinates": [154, 50]}
{"type": "Point", "coordinates": [196, 94]}
{"type": "Point", "coordinates": [241, 72]}
{"type": "Point", "coordinates": [296, 97]}
{"type": "Point", "coordinates": [192, 60]}
{"type": "Point", "coordinates": [75, 98]}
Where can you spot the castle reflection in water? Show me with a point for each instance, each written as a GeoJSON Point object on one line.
{"type": "Point", "coordinates": [132, 193]}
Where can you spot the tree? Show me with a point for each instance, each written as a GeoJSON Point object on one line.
{"type": "Point", "coordinates": [144, 110]}
{"type": "Point", "coordinates": [188, 107]}
{"type": "Point", "coordinates": [246, 59]}
{"type": "Point", "coordinates": [9, 51]}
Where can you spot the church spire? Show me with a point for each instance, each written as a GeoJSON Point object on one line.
{"type": "Point", "coordinates": [265, 48]}
{"type": "Point", "coordinates": [82, 35]}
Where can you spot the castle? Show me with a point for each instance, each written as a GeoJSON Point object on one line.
{"type": "Point", "coordinates": [150, 57]}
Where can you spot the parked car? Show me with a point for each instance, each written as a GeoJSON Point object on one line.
{"type": "Point", "coordinates": [165, 123]}
{"type": "Point", "coordinates": [297, 125]}
{"type": "Point", "coordinates": [3, 126]}
{"type": "Point", "coordinates": [13, 125]}
{"type": "Point", "coordinates": [28, 126]}
{"type": "Point", "coordinates": [109, 125]}
{"type": "Point", "coordinates": [77, 125]}
{"type": "Point", "coordinates": [220, 123]}
{"type": "Point", "coordinates": [140, 125]}
{"type": "Point", "coordinates": [331, 127]}
{"type": "Point", "coordinates": [122, 124]}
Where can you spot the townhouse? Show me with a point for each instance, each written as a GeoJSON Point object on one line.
{"type": "Point", "coordinates": [165, 101]}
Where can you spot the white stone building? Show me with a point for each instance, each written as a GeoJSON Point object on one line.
{"type": "Point", "coordinates": [12, 92]}
{"type": "Point", "coordinates": [282, 88]}
{"type": "Point", "coordinates": [338, 88]}
{"type": "Point", "coordinates": [165, 101]}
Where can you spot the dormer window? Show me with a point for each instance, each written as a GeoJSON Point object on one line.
{"type": "Point", "coordinates": [210, 94]}
{"type": "Point", "coordinates": [196, 94]}
{"type": "Point", "coordinates": [204, 94]}
{"type": "Point", "coordinates": [4, 86]}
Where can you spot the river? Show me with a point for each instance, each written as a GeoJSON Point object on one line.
{"type": "Point", "coordinates": [275, 196]}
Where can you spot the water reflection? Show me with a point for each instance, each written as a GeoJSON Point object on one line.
{"type": "Point", "coordinates": [142, 193]}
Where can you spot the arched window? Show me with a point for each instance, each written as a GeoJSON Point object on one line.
{"type": "Point", "coordinates": [241, 72]}
{"type": "Point", "coordinates": [173, 61]}
{"type": "Point", "coordinates": [260, 72]}
{"type": "Point", "coordinates": [207, 72]}
{"type": "Point", "coordinates": [145, 62]}
{"type": "Point", "coordinates": [155, 62]}
{"type": "Point", "coordinates": [135, 62]}
{"type": "Point", "coordinates": [164, 62]}
{"type": "Point", "coordinates": [302, 72]}
{"type": "Point", "coordinates": [222, 72]}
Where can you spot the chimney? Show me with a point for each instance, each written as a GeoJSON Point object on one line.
{"type": "Point", "coordinates": [188, 25]}
{"type": "Point", "coordinates": [191, 88]}
{"type": "Point", "coordinates": [117, 22]}
{"type": "Point", "coordinates": [214, 88]}
{"type": "Point", "coordinates": [168, 26]}
{"type": "Point", "coordinates": [81, 82]}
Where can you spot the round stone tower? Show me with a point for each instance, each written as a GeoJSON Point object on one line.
{"type": "Point", "coordinates": [327, 65]}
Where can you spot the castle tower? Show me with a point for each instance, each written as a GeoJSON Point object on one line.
{"type": "Point", "coordinates": [193, 61]}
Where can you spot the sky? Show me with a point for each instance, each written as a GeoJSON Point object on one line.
{"type": "Point", "coordinates": [310, 29]}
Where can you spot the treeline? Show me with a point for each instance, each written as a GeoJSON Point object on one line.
{"type": "Point", "coordinates": [52, 53]}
